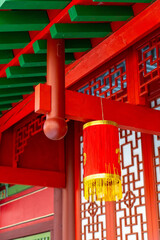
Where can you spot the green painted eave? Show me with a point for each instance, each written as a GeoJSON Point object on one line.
{"type": "Point", "coordinates": [19, 72]}
{"type": "Point", "coordinates": [40, 60]}
{"type": "Point", "coordinates": [6, 56]}
{"type": "Point", "coordinates": [15, 91]}
{"type": "Point", "coordinates": [20, 82]}
{"type": "Point", "coordinates": [7, 100]}
{"type": "Point", "coordinates": [12, 40]}
{"type": "Point", "coordinates": [80, 30]}
{"type": "Point", "coordinates": [33, 4]}
{"type": "Point", "coordinates": [100, 13]}
{"type": "Point", "coordinates": [71, 45]}
{"type": "Point", "coordinates": [11, 21]}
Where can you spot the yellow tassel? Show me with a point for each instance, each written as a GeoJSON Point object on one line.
{"type": "Point", "coordinates": [105, 187]}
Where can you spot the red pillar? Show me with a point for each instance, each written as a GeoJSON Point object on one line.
{"type": "Point", "coordinates": [147, 147]}
{"type": "Point", "coordinates": [111, 220]}
{"type": "Point", "coordinates": [68, 219]}
{"type": "Point", "coordinates": [55, 126]}
{"type": "Point", "coordinates": [77, 180]}
{"type": "Point", "coordinates": [57, 222]}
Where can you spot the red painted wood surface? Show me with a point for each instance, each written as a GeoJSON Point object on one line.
{"type": "Point", "coordinates": [150, 187]}
{"type": "Point", "coordinates": [28, 157]}
{"type": "Point", "coordinates": [42, 98]}
{"type": "Point", "coordinates": [55, 127]}
{"type": "Point", "coordinates": [133, 85]}
{"type": "Point", "coordinates": [81, 107]}
{"type": "Point", "coordinates": [68, 214]}
{"type": "Point", "coordinates": [111, 220]}
{"type": "Point", "coordinates": [133, 31]}
{"type": "Point", "coordinates": [28, 208]}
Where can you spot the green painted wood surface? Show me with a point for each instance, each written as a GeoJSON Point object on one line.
{"type": "Point", "coordinates": [5, 107]}
{"type": "Point", "coordinates": [16, 91]}
{"type": "Point", "coordinates": [77, 45]}
{"type": "Point", "coordinates": [6, 56]}
{"type": "Point", "coordinates": [19, 72]}
{"type": "Point", "coordinates": [40, 46]}
{"type": "Point", "coordinates": [33, 60]}
{"type": "Point", "coordinates": [71, 45]}
{"type": "Point", "coordinates": [12, 40]}
{"type": "Point", "coordinates": [17, 189]}
{"type": "Point", "coordinates": [33, 4]}
{"type": "Point", "coordinates": [100, 13]}
{"type": "Point", "coordinates": [80, 30]}
{"type": "Point", "coordinates": [6, 100]}
{"type": "Point", "coordinates": [124, 1]}
{"type": "Point", "coordinates": [69, 57]}
{"type": "Point", "coordinates": [20, 82]}
{"type": "Point", "coordinates": [11, 21]}
{"type": "Point", "coordinates": [40, 60]}
{"type": "Point", "coordinates": [41, 236]}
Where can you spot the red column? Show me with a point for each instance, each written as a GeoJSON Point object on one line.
{"type": "Point", "coordinates": [68, 219]}
{"type": "Point", "coordinates": [55, 126]}
{"type": "Point", "coordinates": [147, 147]}
{"type": "Point", "coordinates": [57, 222]}
{"type": "Point", "coordinates": [111, 220]}
{"type": "Point", "coordinates": [77, 180]}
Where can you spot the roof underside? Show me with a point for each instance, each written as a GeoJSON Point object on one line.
{"type": "Point", "coordinates": [25, 25]}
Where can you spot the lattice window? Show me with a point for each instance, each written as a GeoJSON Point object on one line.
{"type": "Point", "coordinates": [149, 64]}
{"type": "Point", "coordinates": [156, 139]}
{"type": "Point", "coordinates": [131, 210]}
{"type": "Point", "coordinates": [111, 84]}
{"type": "Point", "coordinates": [23, 133]}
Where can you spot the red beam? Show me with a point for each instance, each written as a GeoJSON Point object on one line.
{"type": "Point", "coordinates": [141, 25]}
{"type": "Point", "coordinates": [82, 107]}
{"type": "Point", "coordinates": [32, 177]}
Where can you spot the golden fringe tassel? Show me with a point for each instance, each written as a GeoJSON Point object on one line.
{"type": "Point", "coordinates": [105, 187]}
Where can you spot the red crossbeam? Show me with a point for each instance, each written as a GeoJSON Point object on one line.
{"type": "Point", "coordinates": [82, 107]}
{"type": "Point", "coordinates": [32, 177]}
{"type": "Point", "coordinates": [141, 25]}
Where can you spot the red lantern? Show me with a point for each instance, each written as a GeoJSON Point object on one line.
{"type": "Point", "coordinates": [101, 159]}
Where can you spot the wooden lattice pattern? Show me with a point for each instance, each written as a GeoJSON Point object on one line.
{"type": "Point", "coordinates": [131, 210]}
{"type": "Point", "coordinates": [156, 139]}
{"type": "Point", "coordinates": [149, 64]}
{"type": "Point", "coordinates": [23, 133]}
{"type": "Point", "coordinates": [111, 84]}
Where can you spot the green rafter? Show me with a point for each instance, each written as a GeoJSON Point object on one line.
{"type": "Point", "coordinates": [100, 13]}
{"type": "Point", "coordinates": [20, 82]}
{"type": "Point", "coordinates": [33, 4]}
{"type": "Point", "coordinates": [19, 72]}
{"type": "Point", "coordinates": [11, 21]}
{"type": "Point", "coordinates": [5, 107]}
{"type": "Point", "coordinates": [6, 56]}
{"type": "Point", "coordinates": [40, 60]}
{"type": "Point", "coordinates": [6, 100]}
{"type": "Point", "coordinates": [15, 91]}
{"type": "Point", "coordinates": [11, 40]}
{"type": "Point", "coordinates": [80, 30]}
{"type": "Point", "coordinates": [71, 45]}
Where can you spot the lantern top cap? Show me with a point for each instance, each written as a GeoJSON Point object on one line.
{"type": "Point", "coordinates": [100, 122]}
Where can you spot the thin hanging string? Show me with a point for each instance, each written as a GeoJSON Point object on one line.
{"type": "Point", "coordinates": [102, 110]}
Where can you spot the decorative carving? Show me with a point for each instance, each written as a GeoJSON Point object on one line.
{"type": "Point", "coordinates": [149, 64]}
{"type": "Point", "coordinates": [24, 132]}
{"type": "Point", "coordinates": [111, 84]}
